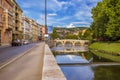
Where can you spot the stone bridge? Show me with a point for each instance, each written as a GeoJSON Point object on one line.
{"type": "Point", "coordinates": [72, 41]}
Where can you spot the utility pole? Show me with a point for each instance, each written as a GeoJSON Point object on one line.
{"type": "Point", "coordinates": [46, 28]}
{"type": "Point", "coordinates": [46, 14]}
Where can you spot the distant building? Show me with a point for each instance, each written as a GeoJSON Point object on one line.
{"type": "Point", "coordinates": [35, 31]}
{"type": "Point", "coordinates": [40, 32]}
{"type": "Point", "coordinates": [31, 29]}
{"type": "Point", "coordinates": [44, 32]}
{"type": "Point", "coordinates": [65, 31]}
{"type": "Point", "coordinates": [27, 28]}
{"type": "Point", "coordinates": [6, 22]}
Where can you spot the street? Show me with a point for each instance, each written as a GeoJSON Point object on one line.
{"type": "Point", "coordinates": [27, 67]}
{"type": "Point", "coordinates": [7, 53]}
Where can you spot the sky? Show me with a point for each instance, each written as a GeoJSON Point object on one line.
{"type": "Point", "coordinates": [60, 13]}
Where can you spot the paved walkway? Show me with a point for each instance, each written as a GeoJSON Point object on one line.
{"type": "Point", "coordinates": [37, 64]}
{"type": "Point", "coordinates": [51, 70]}
{"type": "Point", "coordinates": [29, 67]}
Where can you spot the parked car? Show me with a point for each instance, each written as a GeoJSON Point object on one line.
{"type": "Point", "coordinates": [25, 42]}
{"type": "Point", "coordinates": [16, 42]}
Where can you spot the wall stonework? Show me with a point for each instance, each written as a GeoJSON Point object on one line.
{"type": "Point", "coordinates": [6, 22]}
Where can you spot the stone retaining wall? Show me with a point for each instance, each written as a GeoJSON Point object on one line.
{"type": "Point", "coordinates": [51, 70]}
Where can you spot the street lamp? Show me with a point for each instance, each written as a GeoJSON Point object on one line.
{"type": "Point", "coordinates": [46, 13]}
{"type": "Point", "coordinates": [46, 29]}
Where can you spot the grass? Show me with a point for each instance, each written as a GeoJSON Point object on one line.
{"type": "Point", "coordinates": [106, 46]}
{"type": "Point", "coordinates": [107, 56]}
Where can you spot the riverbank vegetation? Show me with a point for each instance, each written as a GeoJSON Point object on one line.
{"type": "Point", "coordinates": [105, 29]}
{"type": "Point", "coordinates": [108, 50]}
{"type": "Point", "coordinates": [106, 56]}
{"type": "Point", "coordinates": [110, 47]}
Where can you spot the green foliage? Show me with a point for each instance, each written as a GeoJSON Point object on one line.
{"type": "Point", "coordinates": [106, 16]}
{"type": "Point", "coordinates": [80, 35]}
{"type": "Point", "coordinates": [107, 56]}
{"type": "Point", "coordinates": [55, 34]}
{"type": "Point", "coordinates": [113, 26]}
{"type": "Point", "coordinates": [106, 46]}
{"type": "Point", "coordinates": [71, 36]}
{"type": "Point", "coordinates": [87, 35]}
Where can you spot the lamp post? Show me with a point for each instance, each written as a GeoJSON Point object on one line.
{"type": "Point", "coordinates": [45, 19]}
{"type": "Point", "coordinates": [46, 14]}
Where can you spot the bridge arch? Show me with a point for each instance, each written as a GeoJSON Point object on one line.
{"type": "Point", "coordinates": [71, 41]}
{"type": "Point", "coordinates": [77, 43]}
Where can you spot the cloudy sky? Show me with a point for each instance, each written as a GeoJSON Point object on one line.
{"type": "Point", "coordinates": [64, 13]}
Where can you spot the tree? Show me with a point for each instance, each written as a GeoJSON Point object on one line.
{"type": "Point", "coordinates": [106, 20]}
{"type": "Point", "coordinates": [55, 34]}
{"type": "Point", "coordinates": [88, 34]}
{"type": "Point", "coordinates": [80, 35]}
{"type": "Point", "coordinates": [71, 36]}
{"type": "Point", "coordinates": [100, 20]}
{"type": "Point", "coordinates": [113, 26]}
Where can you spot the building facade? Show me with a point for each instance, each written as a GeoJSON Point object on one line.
{"type": "Point", "coordinates": [13, 25]}
{"type": "Point", "coordinates": [35, 30]}
{"type": "Point", "coordinates": [40, 32]}
{"type": "Point", "coordinates": [6, 22]}
{"type": "Point", "coordinates": [17, 30]}
{"type": "Point", "coordinates": [27, 28]}
{"type": "Point", "coordinates": [44, 32]}
{"type": "Point", "coordinates": [31, 29]}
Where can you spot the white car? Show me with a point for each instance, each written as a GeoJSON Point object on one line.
{"type": "Point", "coordinates": [25, 42]}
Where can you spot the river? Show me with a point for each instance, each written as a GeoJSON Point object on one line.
{"type": "Point", "coordinates": [84, 65]}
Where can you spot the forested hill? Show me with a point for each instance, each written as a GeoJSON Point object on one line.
{"type": "Point", "coordinates": [78, 28]}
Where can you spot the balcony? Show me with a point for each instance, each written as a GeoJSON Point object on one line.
{"type": "Point", "coordinates": [9, 28]}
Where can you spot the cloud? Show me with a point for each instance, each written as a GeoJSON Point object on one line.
{"type": "Point", "coordinates": [80, 23]}
{"type": "Point", "coordinates": [41, 19]}
{"type": "Point", "coordinates": [60, 12]}
{"type": "Point", "coordinates": [55, 5]}
{"type": "Point", "coordinates": [52, 14]}
{"type": "Point", "coordinates": [70, 26]}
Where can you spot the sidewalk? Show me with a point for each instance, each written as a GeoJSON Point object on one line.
{"type": "Point", "coordinates": [51, 70]}
{"type": "Point", "coordinates": [29, 67]}
{"type": "Point", "coordinates": [4, 46]}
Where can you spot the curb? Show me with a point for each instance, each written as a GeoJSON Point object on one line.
{"type": "Point", "coordinates": [16, 58]}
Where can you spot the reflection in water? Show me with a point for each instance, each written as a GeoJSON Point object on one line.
{"type": "Point", "coordinates": [75, 72]}
{"type": "Point", "coordinates": [83, 56]}
{"type": "Point", "coordinates": [107, 73]}
{"type": "Point", "coordinates": [70, 59]}
{"type": "Point", "coordinates": [85, 72]}
{"type": "Point", "coordinates": [78, 72]}
{"type": "Point", "coordinates": [70, 49]}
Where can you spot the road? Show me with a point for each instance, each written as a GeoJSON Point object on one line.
{"type": "Point", "coordinates": [27, 67]}
{"type": "Point", "coordinates": [7, 53]}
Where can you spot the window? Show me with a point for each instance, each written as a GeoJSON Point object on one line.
{"type": "Point", "coordinates": [3, 18]}
{"type": "Point", "coordinates": [16, 28]}
{"type": "Point", "coordinates": [10, 20]}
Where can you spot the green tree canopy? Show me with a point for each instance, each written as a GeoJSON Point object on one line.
{"type": "Point", "coordinates": [71, 36]}
{"type": "Point", "coordinates": [55, 34]}
{"type": "Point", "coordinates": [106, 20]}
